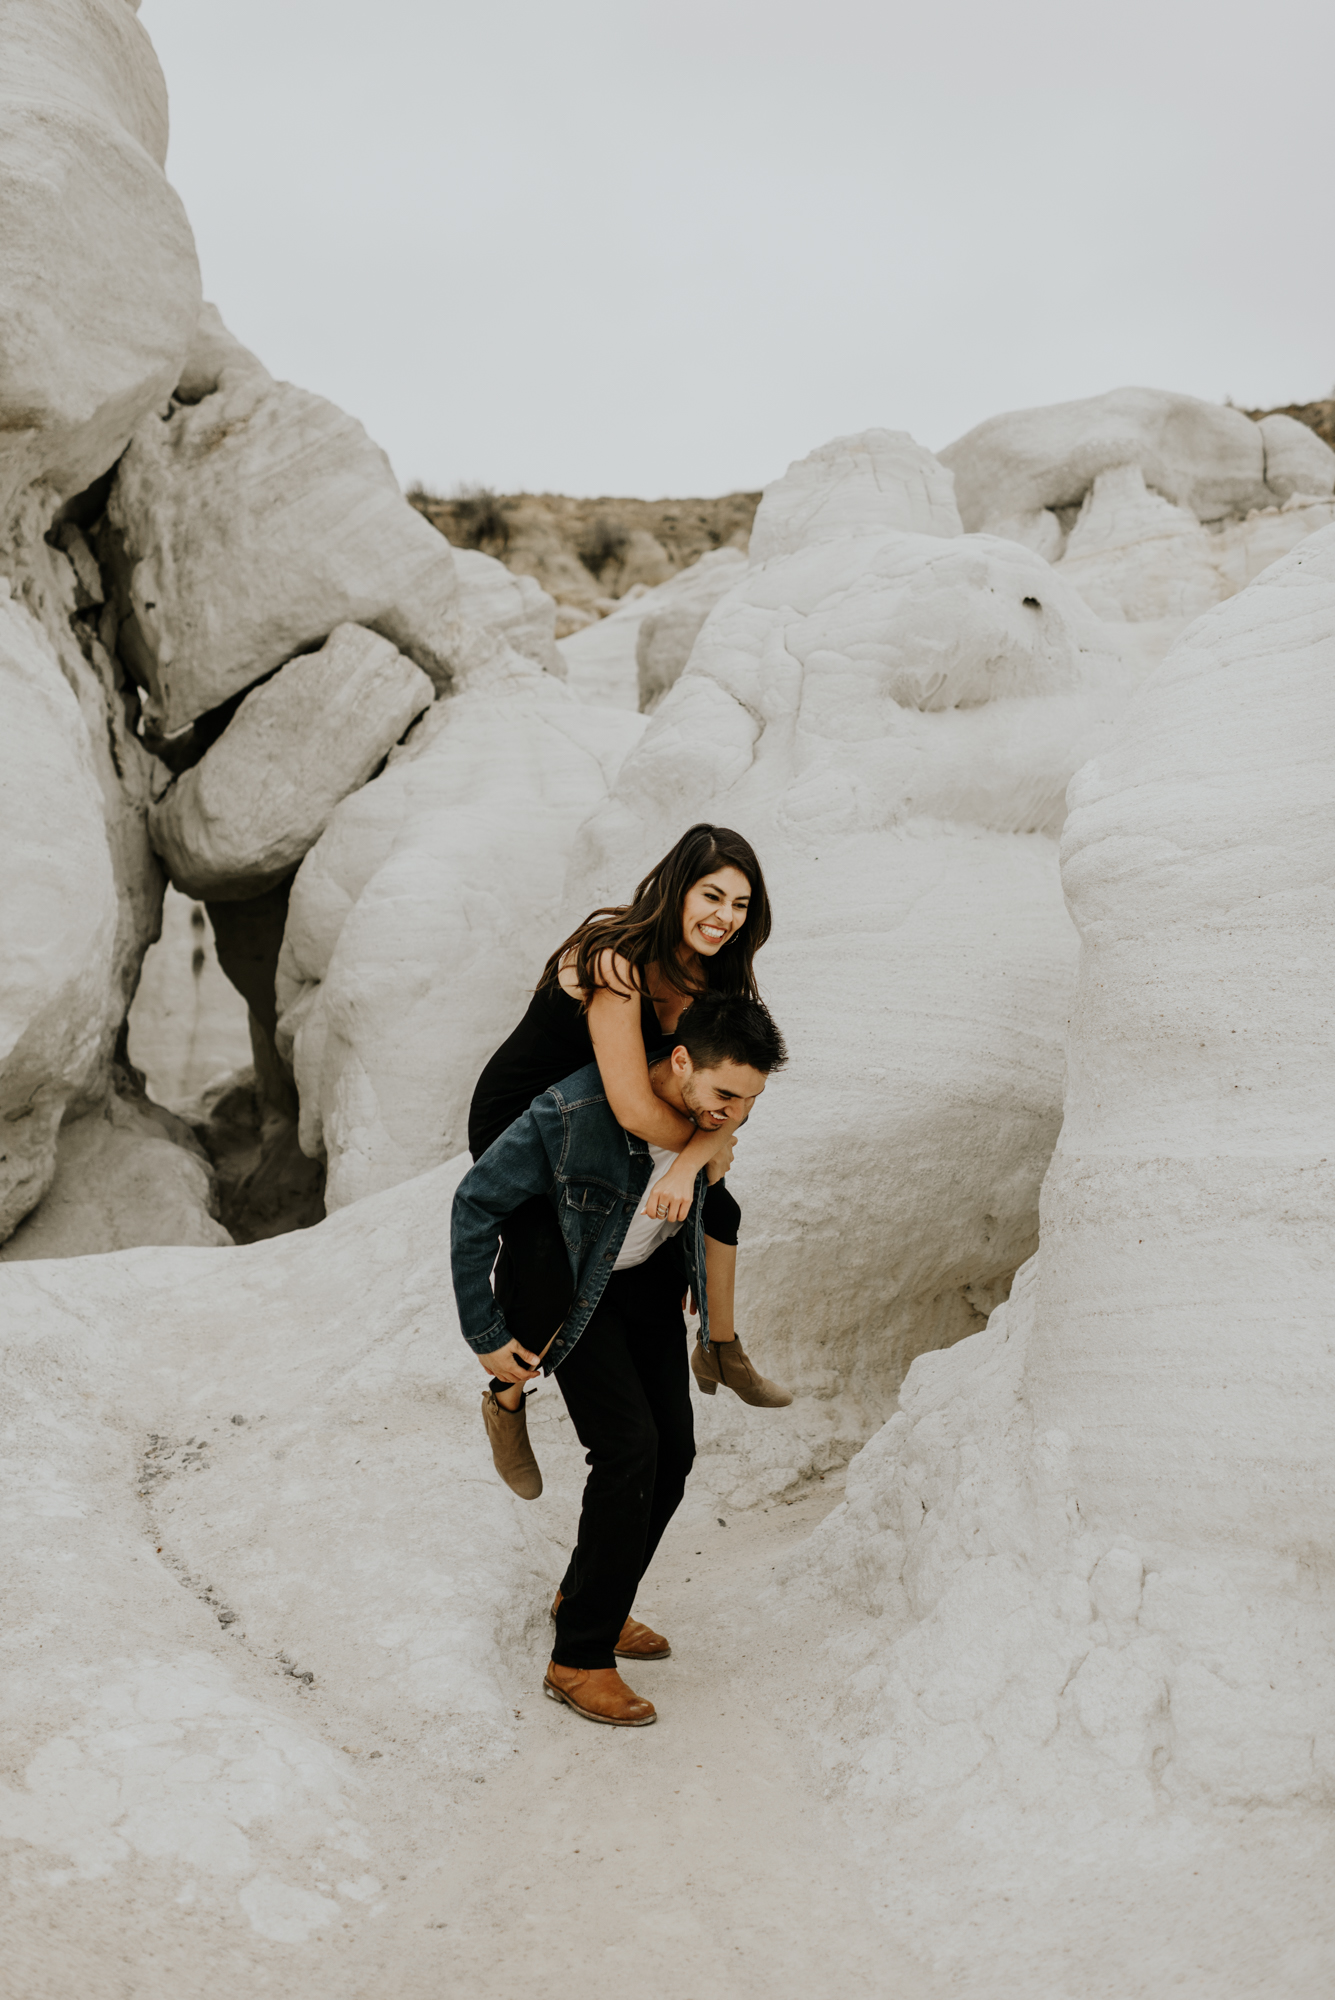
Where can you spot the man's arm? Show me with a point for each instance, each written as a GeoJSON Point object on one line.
{"type": "Point", "coordinates": [521, 1163]}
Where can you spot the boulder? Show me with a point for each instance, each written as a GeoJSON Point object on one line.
{"type": "Point", "coordinates": [242, 818]}
{"type": "Point", "coordinates": [1205, 456]}
{"type": "Point", "coordinates": [420, 922]}
{"type": "Point", "coordinates": [59, 1007]}
{"type": "Point", "coordinates": [855, 485]}
{"type": "Point", "coordinates": [99, 287]}
{"type": "Point", "coordinates": [671, 619]}
{"type": "Point", "coordinates": [249, 524]}
{"type": "Point", "coordinates": [126, 1174]}
{"type": "Point", "coordinates": [492, 596]}
{"type": "Point", "coordinates": [1297, 461]}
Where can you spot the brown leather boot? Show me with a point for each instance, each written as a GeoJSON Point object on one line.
{"type": "Point", "coordinates": [637, 1642]}
{"type": "Point", "coordinates": [598, 1694]}
{"type": "Point", "coordinates": [511, 1452]}
{"type": "Point", "coordinates": [726, 1366]}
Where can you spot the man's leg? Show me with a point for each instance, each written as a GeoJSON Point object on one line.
{"type": "Point", "coordinates": [626, 1386]}
{"type": "Point", "coordinates": [658, 1354]}
{"type": "Point", "coordinates": [613, 1422]}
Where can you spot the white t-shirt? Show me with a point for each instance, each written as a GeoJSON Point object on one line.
{"type": "Point", "coordinates": [644, 1235]}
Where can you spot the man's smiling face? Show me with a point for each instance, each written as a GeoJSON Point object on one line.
{"type": "Point", "coordinates": [719, 1096]}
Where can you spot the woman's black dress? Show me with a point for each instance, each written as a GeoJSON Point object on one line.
{"type": "Point", "coordinates": [534, 1286]}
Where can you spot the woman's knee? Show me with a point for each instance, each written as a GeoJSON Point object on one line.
{"type": "Point", "coordinates": [720, 1214]}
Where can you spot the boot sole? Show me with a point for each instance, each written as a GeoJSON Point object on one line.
{"type": "Point", "coordinates": [555, 1693]}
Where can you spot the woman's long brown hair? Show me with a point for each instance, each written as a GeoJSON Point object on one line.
{"type": "Point", "coordinates": [647, 931]}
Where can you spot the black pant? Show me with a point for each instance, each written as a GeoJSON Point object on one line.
{"type": "Point", "coordinates": [533, 1285]}
{"type": "Point", "coordinates": [626, 1384]}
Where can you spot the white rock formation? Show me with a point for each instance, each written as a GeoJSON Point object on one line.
{"type": "Point", "coordinates": [127, 1173]}
{"type": "Point", "coordinates": [241, 819]}
{"type": "Point", "coordinates": [249, 525]}
{"type": "Point", "coordinates": [420, 921]}
{"type": "Point", "coordinates": [188, 1026]}
{"type": "Point", "coordinates": [892, 719]}
{"type": "Point", "coordinates": [100, 288]}
{"type": "Point", "coordinates": [516, 606]}
{"type": "Point", "coordinates": [58, 1006]}
{"type": "Point", "coordinates": [1297, 461]}
{"type": "Point", "coordinates": [213, 1517]}
{"type": "Point", "coordinates": [1093, 1545]}
{"type": "Point", "coordinates": [855, 486]}
{"type": "Point", "coordinates": [671, 618]}
{"type": "Point", "coordinates": [600, 655]}
{"type": "Point", "coordinates": [1118, 492]}
{"type": "Point", "coordinates": [1204, 456]}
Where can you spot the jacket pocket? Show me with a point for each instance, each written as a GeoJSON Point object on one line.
{"type": "Point", "coordinates": [585, 1198]}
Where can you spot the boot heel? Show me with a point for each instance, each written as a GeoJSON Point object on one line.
{"type": "Point", "coordinates": [705, 1385]}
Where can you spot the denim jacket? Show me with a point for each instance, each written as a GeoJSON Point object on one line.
{"type": "Point", "coordinates": [568, 1146]}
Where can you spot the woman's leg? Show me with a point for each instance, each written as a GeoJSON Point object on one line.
{"type": "Point", "coordinates": [722, 1219]}
{"type": "Point", "coordinates": [721, 1287]}
{"type": "Point", "coordinates": [534, 1286]}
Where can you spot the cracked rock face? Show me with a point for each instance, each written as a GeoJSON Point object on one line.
{"type": "Point", "coordinates": [100, 287]}
{"type": "Point", "coordinates": [242, 818]}
{"type": "Point", "coordinates": [58, 1005]}
{"type": "Point", "coordinates": [249, 525]}
{"type": "Point", "coordinates": [420, 920]}
{"type": "Point", "coordinates": [1095, 1537]}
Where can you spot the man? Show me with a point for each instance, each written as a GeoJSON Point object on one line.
{"type": "Point", "coordinates": [619, 1356]}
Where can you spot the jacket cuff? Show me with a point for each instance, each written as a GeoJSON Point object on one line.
{"type": "Point", "coordinates": [493, 1335]}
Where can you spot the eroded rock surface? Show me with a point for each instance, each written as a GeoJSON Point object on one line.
{"type": "Point", "coordinates": [99, 288]}
{"type": "Point", "coordinates": [1091, 1546]}
{"type": "Point", "coordinates": [127, 1173]}
{"type": "Point", "coordinates": [252, 522]}
{"type": "Point", "coordinates": [58, 1006]}
{"type": "Point", "coordinates": [242, 818]}
{"type": "Point", "coordinates": [421, 919]}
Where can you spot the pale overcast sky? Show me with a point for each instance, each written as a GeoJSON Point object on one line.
{"type": "Point", "coordinates": [605, 247]}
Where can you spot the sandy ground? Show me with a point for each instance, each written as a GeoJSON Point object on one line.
{"type": "Point", "coordinates": [692, 1859]}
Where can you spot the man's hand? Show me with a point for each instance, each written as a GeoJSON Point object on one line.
{"type": "Point", "coordinates": [722, 1159]}
{"type": "Point", "coordinates": [511, 1363]}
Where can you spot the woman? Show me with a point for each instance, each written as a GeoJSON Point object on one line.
{"type": "Point", "coordinates": [613, 993]}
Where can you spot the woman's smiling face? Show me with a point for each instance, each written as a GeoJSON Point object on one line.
{"type": "Point", "coordinates": [714, 910]}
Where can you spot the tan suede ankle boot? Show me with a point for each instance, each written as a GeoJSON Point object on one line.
{"type": "Point", "coordinates": [726, 1366]}
{"type": "Point", "coordinates": [511, 1452]}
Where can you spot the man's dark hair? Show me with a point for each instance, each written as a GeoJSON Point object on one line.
{"type": "Point", "coordinates": [728, 1027]}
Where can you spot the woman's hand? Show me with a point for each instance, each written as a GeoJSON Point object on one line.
{"type": "Point", "coordinates": [669, 1200]}
{"type": "Point", "coordinates": [511, 1363]}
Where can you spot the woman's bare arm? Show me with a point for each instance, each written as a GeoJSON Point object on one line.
{"type": "Point", "coordinates": [614, 1027]}
{"type": "Point", "coordinates": [618, 1045]}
